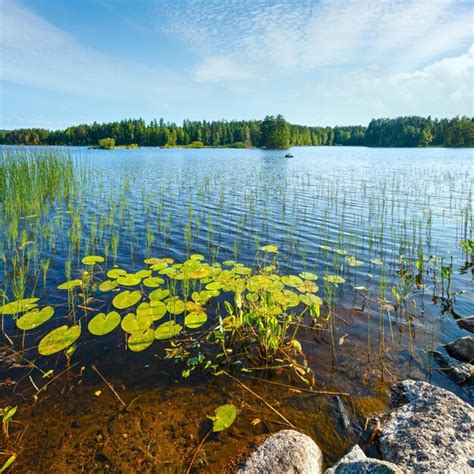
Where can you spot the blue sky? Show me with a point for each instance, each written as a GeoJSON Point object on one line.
{"type": "Point", "coordinates": [318, 62]}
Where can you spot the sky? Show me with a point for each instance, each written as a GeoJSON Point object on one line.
{"type": "Point", "coordinates": [317, 62]}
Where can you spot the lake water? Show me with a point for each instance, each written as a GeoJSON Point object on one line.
{"type": "Point", "coordinates": [367, 215]}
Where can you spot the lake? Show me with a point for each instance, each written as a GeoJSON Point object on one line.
{"type": "Point", "coordinates": [380, 228]}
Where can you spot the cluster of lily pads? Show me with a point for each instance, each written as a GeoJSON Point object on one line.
{"type": "Point", "coordinates": [165, 299]}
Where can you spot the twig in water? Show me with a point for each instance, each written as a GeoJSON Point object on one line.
{"type": "Point", "coordinates": [197, 450]}
{"type": "Point", "coordinates": [109, 385]}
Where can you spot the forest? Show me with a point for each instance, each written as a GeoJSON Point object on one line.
{"type": "Point", "coordinates": [271, 132]}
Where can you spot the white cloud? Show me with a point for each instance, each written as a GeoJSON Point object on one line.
{"type": "Point", "coordinates": [298, 36]}
{"type": "Point", "coordinates": [36, 53]}
{"type": "Point", "coordinates": [219, 68]}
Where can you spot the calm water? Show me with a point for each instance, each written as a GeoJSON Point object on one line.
{"type": "Point", "coordinates": [376, 205]}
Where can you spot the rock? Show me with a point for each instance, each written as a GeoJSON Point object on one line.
{"type": "Point", "coordinates": [458, 371]}
{"type": "Point", "coordinates": [466, 323]}
{"type": "Point", "coordinates": [462, 348]}
{"type": "Point", "coordinates": [285, 452]}
{"type": "Point", "coordinates": [355, 462]}
{"type": "Point", "coordinates": [430, 431]}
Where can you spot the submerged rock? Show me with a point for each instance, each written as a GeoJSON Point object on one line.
{"type": "Point", "coordinates": [467, 323]}
{"type": "Point", "coordinates": [430, 431]}
{"type": "Point", "coordinates": [286, 452]}
{"type": "Point", "coordinates": [462, 348]}
{"type": "Point", "coordinates": [355, 462]}
{"type": "Point", "coordinates": [458, 371]}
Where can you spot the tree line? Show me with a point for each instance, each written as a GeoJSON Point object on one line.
{"type": "Point", "coordinates": [271, 132]}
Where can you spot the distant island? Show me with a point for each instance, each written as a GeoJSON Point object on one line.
{"type": "Point", "coordinates": [271, 132]}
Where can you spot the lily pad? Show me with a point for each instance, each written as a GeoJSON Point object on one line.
{"type": "Point", "coordinates": [176, 306]}
{"type": "Point", "coordinates": [292, 280]}
{"type": "Point", "coordinates": [141, 340]}
{"type": "Point", "coordinates": [224, 417]}
{"type": "Point", "coordinates": [308, 276]}
{"type": "Point", "coordinates": [269, 248]}
{"type": "Point", "coordinates": [126, 299]}
{"type": "Point", "coordinates": [155, 309]}
{"type": "Point", "coordinates": [153, 282]}
{"type": "Point", "coordinates": [19, 306]}
{"type": "Point", "coordinates": [59, 339]}
{"type": "Point", "coordinates": [115, 273]}
{"type": "Point", "coordinates": [335, 279]}
{"type": "Point", "coordinates": [353, 262]}
{"type": "Point", "coordinates": [129, 280]}
{"type": "Point", "coordinates": [311, 300]}
{"type": "Point", "coordinates": [69, 285]}
{"type": "Point", "coordinates": [102, 323]}
{"type": "Point", "coordinates": [376, 261]}
{"type": "Point", "coordinates": [167, 330]}
{"type": "Point", "coordinates": [195, 320]}
{"type": "Point", "coordinates": [136, 322]}
{"type": "Point", "coordinates": [158, 294]}
{"type": "Point", "coordinates": [92, 260]}
{"type": "Point", "coordinates": [108, 285]}
{"type": "Point", "coordinates": [35, 318]}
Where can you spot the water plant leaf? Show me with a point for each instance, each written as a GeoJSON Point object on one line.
{"type": "Point", "coordinates": [376, 261]}
{"type": "Point", "coordinates": [92, 260]}
{"type": "Point", "coordinates": [155, 309]}
{"type": "Point", "coordinates": [311, 300]}
{"type": "Point", "coordinates": [129, 280]}
{"type": "Point", "coordinates": [159, 294]}
{"type": "Point", "coordinates": [153, 282]}
{"type": "Point", "coordinates": [167, 330]}
{"type": "Point", "coordinates": [308, 276]}
{"type": "Point", "coordinates": [292, 280]}
{"type": "Point", "coordinates": [143, 274]}
{"type": "Point", "coordinates": [224, 417]}
{"type": "Point", "coordinates": [108, 285]}
{"type": "Point", "coordinates": [197, 256]}
{"type": "Point", "coordinates": [341, 252]}
{"type": "Point", "coordinates": [102, 323]}
{"type": "Point", "coordinates": [141, 340]}
{"type": "Point", "coordinates": [115, 273]}
{"type": "Point", "coordinates": [19, 306]}
{"type": "Point", "coordinates": [126, 299]}
{"type": "Point", "coordinates": [136, 322]}
{"type": "Point", "coordinates": [195, 320]}
{"type": "Point", "coordinates": [308, 287]}
{"type": "Point", "coordinates": [69, 285]}
{"type": "Point", "coordinates": [353, 262]}
{"type": "Point", "coordinates": [269, 248]}
{"type": "Point", "coordinates": [59, 339]}
{"type": "Point", "coordinates": [335, 279]}
{"type": "Point", "coordinates": [34, 318]}
{"type": "Point", "coordinates": [175, 305]}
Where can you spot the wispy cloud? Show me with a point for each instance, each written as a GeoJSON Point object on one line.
{"type": "Point", "coordinates": [220, 68]}
{"type": "Point", "coordinates": [304, 35]}
{"type": "Point", "coordinates": [36, 53]}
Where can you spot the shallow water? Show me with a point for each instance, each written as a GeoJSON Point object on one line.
{"type": "Point", "coordinates": [225, 204]}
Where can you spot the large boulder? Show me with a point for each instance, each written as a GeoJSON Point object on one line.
{"type": "Point", "coordinates": [462, 348]}
{"type": "Point", "coordinates": [285, 452]}
{"type": "Point", "coordinates": [466, 323]}
{"type": "Point", "coordinates": [458, 371]}
{"type": "Point", "coordinates": [356, 462]}
{"type": "Point", "coordinates": [431, 430]}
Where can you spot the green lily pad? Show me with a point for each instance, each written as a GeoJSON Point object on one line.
{"type": "Point", "coordinates": [129, 280]}
{"type": "Point", "coordinates": [59, 339]}
{"type": "Point", "coordinates": [143, 274]}
{"type": "Point", "coordinates": [155, 309]}
{"type": "Point", "coordinates": [102, 323]}
{"type": "Point", "coordinates": [92, 260]}
{"type": "Point", "coordinates": [158, 294]}
{"type": "Point", "coordinates": [35, 318]}
{"type": "Point", "coordinates": [195, 320]}
{"type": "Point", "coordinates": [376, 261]}
{"type": "Point", "coordinates": [19, 306]}
{"type": "Point", "coordinates": [175, 306]}
{"type": "Point", "coordinates": [341, 252]}
{"type": "Point", "coordinates": [167, 330]}
{"type": "Point", "coordinates": [141, 340]}
{"type": "Point", "coordinates": [197, 256]}
{"type": "Point", "coordinates": [115, 273]}
{"type": "Point", "coordinates": [224, 417]}
{"type": "Point", "coordinates": [311, 300]}
{"type": "Point", "coordinates": [126, 299]}
{"type": "Point", "coordinates": [153, 282]}
{"type": "Point", "coordinates": [308, 276]}
{"type": "Point", "coordinates": [136, 322]}
{"type": "Point", "coordinates": [292, 280]}
{"type": "Point", "coordinates": [269, 248]}
{"type": "Point", "coordinates": [353, 262]}
{"type": "Point", "coordinates": [335, 279]}
{"type": "Point", "coordinates": [69, 285]}
{"type": "Point", "coordinates": [108, 285]}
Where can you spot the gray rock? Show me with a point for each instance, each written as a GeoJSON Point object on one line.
{"type": "Point", "coordinates": [458, 371]}
{"type": "Point", "coordinates": [355, 462]}
{"type": "Point", "coordinates": [466, 323]}
{"type": "Point", "coordinates": [285, 452]}
{"type": "Point", "coordinates": [462, 348]}
{"type": "Point", "coordinates": [430, 431]}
